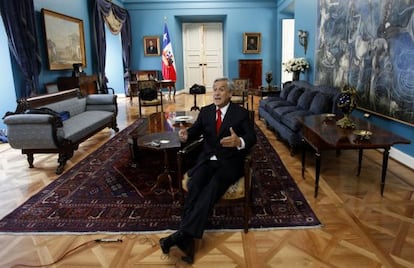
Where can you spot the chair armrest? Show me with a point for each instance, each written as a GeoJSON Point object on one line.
{"type": "Point", "coordinates": [184, 154]}
{"type": "Point", "coordinates": [109, 90]}
{"type": "Point", "coordinates": [191, 146]}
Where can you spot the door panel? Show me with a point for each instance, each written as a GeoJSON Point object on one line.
{"type": "Point", "coordinates": [203, 53]}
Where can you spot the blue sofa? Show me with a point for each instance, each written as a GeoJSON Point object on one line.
{"type": "Point", "coordinates": [297, 99]}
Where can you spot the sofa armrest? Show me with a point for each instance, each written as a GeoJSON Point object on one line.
{"type": "Point", "coordinates": [103, 102]}
{"type": "Point", "coordinates": [32, 131]}
{"type": "Point", "coordinates": [17, 119]}
{"type": "Point", "coordinates": [98, 99]}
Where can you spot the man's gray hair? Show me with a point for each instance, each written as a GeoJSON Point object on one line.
{"type": "Point", "coordinates": [229, 82]}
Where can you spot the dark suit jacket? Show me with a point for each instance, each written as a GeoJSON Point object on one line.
{"type": "Point", "coordinates": [236, 117]}
{"type": "Point", "coordinates": [152, 50]}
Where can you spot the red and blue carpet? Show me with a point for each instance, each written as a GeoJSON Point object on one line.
{"type": "Point", "coordinates": [103, 193]}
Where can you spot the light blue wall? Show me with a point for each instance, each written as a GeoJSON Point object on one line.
{"type": "Point", "coordinates": [237, 17]}
{"type": "Point", "coordinates": [7, 92]}
{"type": "Point", "coordinates": [114, 67]}
{"type": "Point", "coordinates": [306, 11]}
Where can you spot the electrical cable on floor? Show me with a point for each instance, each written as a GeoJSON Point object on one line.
{"type": "Point", "coordinates": [102, 240]}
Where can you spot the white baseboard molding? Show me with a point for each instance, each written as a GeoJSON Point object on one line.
{"type": "Point", "coordinates": [401, 157]}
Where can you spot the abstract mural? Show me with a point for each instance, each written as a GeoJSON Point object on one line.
{"type": "Point", "coordinates": [369, 44]}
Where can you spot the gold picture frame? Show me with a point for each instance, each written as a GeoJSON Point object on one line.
{"type": "Point", "coordinates": [152, 45]}
{"type": "Point", "coordinates": [252, 43]}
{"type": "Point", "coordinates": [64, 40]}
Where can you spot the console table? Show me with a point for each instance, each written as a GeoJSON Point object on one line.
{"type": "Point", "coordinates": [170, 84]}
{"type": "Point", "coordinates": [87, 84]}
{"type": "Point", "coordinates": [322, 133]}
{"type": "Point", "coordinates": [251, 69]}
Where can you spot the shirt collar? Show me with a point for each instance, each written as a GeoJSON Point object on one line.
{"type": "Point", "coordinates": [223, 109]}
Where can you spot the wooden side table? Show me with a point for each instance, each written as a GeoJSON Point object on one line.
{"type": "Point", "coordinates": [322, 133]}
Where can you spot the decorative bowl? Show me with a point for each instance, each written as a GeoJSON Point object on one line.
{"type": "Point", "coordinates": [183, 118]}
{"type": "Point", "coordinates": [329, 116]}
{"type": "Point", "coordinates": [363, 134]}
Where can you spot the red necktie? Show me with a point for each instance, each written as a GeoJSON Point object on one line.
{"type": "Point", "coordinates": [218, 121]}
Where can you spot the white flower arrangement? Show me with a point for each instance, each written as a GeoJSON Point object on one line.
{"type": "Point", "coordinates": [295, 65]}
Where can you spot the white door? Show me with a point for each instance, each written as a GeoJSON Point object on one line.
{"type": "Point", "coordinates": [203, 53]}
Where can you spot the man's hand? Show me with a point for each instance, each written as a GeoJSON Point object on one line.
{"type": "Point", "coordinates": [231, 141]}
{"type": "Point", "coordinates": [182, 133]}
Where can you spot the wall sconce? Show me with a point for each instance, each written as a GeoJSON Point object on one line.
{"type": "Point", "coordinates": [303, 39]}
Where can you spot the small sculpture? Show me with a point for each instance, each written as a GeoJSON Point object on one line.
{"type": "Point", "coordinates": [269, 78]}
{"type": "Point", "coordinates": [347, 103]}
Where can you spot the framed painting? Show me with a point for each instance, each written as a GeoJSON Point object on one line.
{"type": "Point", "coordinates": [64, 39]}
{"type": "Point", "coordinates": [152, 46]}
{"type": "Point", "coordinates": [375, 56]}
{"type": "Point", "coordinates": [252, 43]}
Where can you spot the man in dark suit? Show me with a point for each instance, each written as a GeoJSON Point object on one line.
{"type": "Point", "coordinates": [151, 48]}
{"type": "Point", "coordinates": [220, 164]}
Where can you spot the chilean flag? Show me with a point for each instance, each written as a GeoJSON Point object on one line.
{"type": "Point", "coordinates": [168, 60]}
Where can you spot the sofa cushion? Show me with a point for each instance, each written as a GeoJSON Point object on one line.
{"type": "Point", "coordinates": [305, 99]}
{"type": "Point", "coordinates": [292, 120]}
{"type": "Point", "coordinates": [294, 95]}
{"type": "Point", "coordinates": [74, 106]}
{"type": "Point", "coordinates": [82, 125]}
{"type": "Point", "coordinates": [279, 111]}
{"type": "Point", "coordinates": [321, 103]}
{"type": "Point", "coordinates": [277, 103]}
{"type": "Point", "coordinates": [286, 90]}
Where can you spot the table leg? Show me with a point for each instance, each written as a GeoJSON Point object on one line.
{"type": "Point", "coordinates": [360, 153]}
{"type": "Point", "coordinates": [384, 168]}
{"type": "Point", "coordinates": [166, 174]}
{"type": "Point", "coordinates": [133, 150]}
{"type": "Point", "coordinates": [195, 107]}
{"type": "Point", "coordinates": [303, 157]}
{"type": "Point", "coordinates": [317, 171]}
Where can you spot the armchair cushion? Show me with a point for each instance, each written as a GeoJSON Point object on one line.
{"type": "Point", "coordinates": [148, 94]}
{"type": "Point", "coordinates": [235, 191]}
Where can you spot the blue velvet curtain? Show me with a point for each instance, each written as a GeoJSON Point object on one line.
{"type": "Point", "coordinates": [19, 22]}
{"type": "Point", "coordinates": [102, 9]}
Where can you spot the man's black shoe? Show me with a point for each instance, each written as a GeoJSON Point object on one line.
{"type": "Point", "coordinates": [188, 248]}
{"type": "Point", "coordinates": [167, 242]}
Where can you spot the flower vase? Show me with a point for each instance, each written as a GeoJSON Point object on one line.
{"type": "Point", "coordinates": [295, 75]}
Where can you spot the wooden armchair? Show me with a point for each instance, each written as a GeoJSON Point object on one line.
{"type": "Point", "coordinates": [140, 75]}
{"type": "Point", "coordinates": [240, 93]}
{"type": "Point", "coordinates": [149, 95]}
{"type": "Point", "coordinates": [239, 192]}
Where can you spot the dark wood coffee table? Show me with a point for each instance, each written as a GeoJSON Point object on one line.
{"type": "Point", "coordinates": [159, 133]}
{"type": "Point", "coordinates": [322, 134]}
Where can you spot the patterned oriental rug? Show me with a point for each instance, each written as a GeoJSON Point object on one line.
{"type": "Point", "coordinates": [104, 193]}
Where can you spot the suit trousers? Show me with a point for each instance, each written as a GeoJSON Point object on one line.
{"type": "Point", "coordinates": [208, 184]}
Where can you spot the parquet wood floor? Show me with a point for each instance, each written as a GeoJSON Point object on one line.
{"type": "Point", "coordinates": [361, 228]}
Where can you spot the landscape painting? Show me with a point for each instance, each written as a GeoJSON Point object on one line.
{"type": "Point", "coordinates": [64, 39]}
